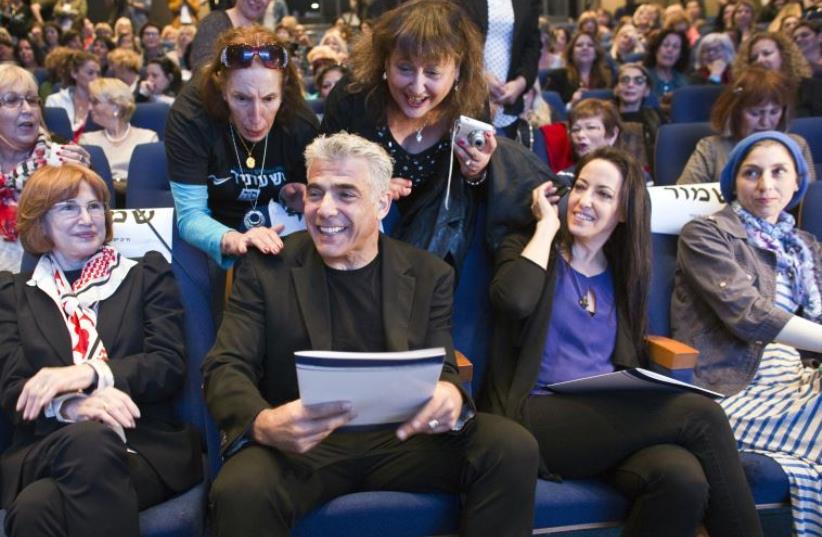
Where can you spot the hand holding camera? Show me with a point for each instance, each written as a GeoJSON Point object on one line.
{"type": "Point", "coordinates": [474, 143]}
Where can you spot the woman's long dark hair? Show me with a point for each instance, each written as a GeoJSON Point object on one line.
{"type": "Point", "coordinates": [628, 247]}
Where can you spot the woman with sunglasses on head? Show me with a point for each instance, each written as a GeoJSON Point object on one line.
{"type": "Point", "coordinates": [235, 139]}
{"type": "Point", "coordinates": [93, 360]}
{"type": "Point", "coordinates": [412, 79]}
{"type": "Point", "coordinates": [25, 146]}
{"type": "Point", "coordinates": [570, 295]}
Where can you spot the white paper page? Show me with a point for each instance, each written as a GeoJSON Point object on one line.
{"type": "Point", "coordinates": [380, 394]}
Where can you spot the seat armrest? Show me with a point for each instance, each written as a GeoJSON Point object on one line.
{"type": "Point", "coordinates": [465, 367]}
{"type": "Point", "coordinates": [670, 353]}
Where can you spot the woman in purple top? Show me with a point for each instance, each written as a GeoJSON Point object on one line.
{"type": "Point", "coordinates": [571, 302]}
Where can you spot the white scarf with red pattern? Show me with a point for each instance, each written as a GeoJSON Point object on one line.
{"type": "Point", "coordinates": [101, 276]}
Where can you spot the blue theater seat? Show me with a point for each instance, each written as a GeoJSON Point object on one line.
{"type": "Point", "coordinates": [558, 110]}
{"type": "Point", "coordinates": [183, 515]}
{"type": "Point", "coordinates": [810, 212]}
{"type": "Point", "coordinates": [151, 116]}
{"type": "Point", "coordinates": [810, 128]}
{"type": "Point", "coordinates": [690, 104]}
{"type": "Point", "coordinates": [58, 122]}
{"type": "Point", "coordinates": [148, 183]}
{"type": "Point", "coordinates": [674, 144]}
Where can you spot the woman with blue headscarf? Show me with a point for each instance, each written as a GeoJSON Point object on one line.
{"type": "Point", "coordinates": [747, 295]}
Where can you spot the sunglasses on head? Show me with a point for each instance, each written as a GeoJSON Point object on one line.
{"type": "Point", "coordinates": [240, 56]}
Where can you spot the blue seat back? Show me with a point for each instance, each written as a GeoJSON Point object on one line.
{"type": "Point", "coordinates": [317, 105]}
{"type": "Point", "coordinates": [810, 212]}
{"type": "Point", "coordinates": [151, 116]}
{"type": "Point", "coordinates": [191, 270]}
{"type": "Point", "coordinates": [558, 110]}
{"type": "Point", "coordinates": [690, 104]}
{"type": "Point", "coordinates": [663, 266]}
{"type": "Point", "coordinates": [148, 183]}
{"type": "Point", "coordinates": [472, 306]}
{"type": "Point", "coordinates": [99, 163]}
{"type": "Point", "coordinates": [58, 122]}
{"type": "Point", "coordinates": [810, 128]}
{"type": "Point", "coordinates": [606, 94]}
{"type": "Point", "coordinates": [674, 144]}
{"type": "Point", "coordinates": [539, 147]}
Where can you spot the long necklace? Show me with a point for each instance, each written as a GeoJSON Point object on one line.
{"type": "Point", "coordinates": [249, 159]}
{"type": "Point", "coordinates": [254, 217]}
{"type": "Point", "coordinates": [583, 301]}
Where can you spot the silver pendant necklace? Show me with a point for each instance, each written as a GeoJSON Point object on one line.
{"type": "Point", "coordinates": [583, 301]}
{"type": "Point", "coordinates": [253, 217]}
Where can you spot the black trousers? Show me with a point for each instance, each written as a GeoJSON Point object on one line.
{"type": "Point", "coordinates": [80, 481]}
{"type": "Point", "coordinates": [672, 453]}
{"type": "Point", "coordinates": [492, 462]}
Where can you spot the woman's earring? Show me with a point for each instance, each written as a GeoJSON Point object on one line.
{"type": "Point", "coordinates": [384, 75]}
{"type": "Point", "coordinates": [456, 86]}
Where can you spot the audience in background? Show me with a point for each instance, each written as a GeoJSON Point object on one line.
{"type": "Point", "coordinates": [100, 47]}
{"type": "Point", "coordinates": [758, 100]}
{"type": "Point", "coordinates": [162, 82]}
{"type": "Point", "coordinates": [81, 68]}
{"type": "Point", "coordinates": [150, 42]}
{"type": "Point", "coordinates": [808, 39]}
{"type": "Point", "coordinates": [112, 105]}
{"type": "Point", "coordinates": [713, 58]}
{"type": "Point", "coordinates": [125, 65]}
{"type": "Point", "coordinates": [667, 62]}
{"type": "Point", "coordinates": [585, 68]}
{"type": "Point", "coordinates": [627, 45]}
{"type": "Point", "coordinates": [28, 56]}
{"type": "Point", "coordinates": [327, 78]}
{"type": "Point", "coordinates": [632, 92]}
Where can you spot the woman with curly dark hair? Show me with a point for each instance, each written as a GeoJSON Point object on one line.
{"type": "Point", "coordinates": [667, 61]}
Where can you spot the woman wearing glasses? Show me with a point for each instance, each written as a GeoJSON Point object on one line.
{"type": "Point", "coordinates": [411, 80]}
{"type": "Point", "coordinates": [235, 139]}
{"type": "Point", "coordinates": [90, 344]}
{"type": "Point", "coordinates": [25, 146]}
{"type": "Point", "coordinates": [632, 92]}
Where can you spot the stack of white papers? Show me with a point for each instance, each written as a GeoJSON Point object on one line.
{"type": "Point", "coordinates": [383, 387]}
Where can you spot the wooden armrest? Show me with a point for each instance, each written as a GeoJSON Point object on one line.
{"type": "Point", "coordinates": [466, 368]}
{"type": "Point", "coordinates": [670, 353]}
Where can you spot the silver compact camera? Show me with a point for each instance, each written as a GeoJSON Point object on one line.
{"type": "Point", "coordinates": [472, 131]}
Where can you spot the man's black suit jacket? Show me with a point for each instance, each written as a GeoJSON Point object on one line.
{"type": "Point", "coordinates": [280, 304]}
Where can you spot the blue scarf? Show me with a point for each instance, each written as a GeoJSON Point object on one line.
{"type": "Point", "coordinates": [794, 260]}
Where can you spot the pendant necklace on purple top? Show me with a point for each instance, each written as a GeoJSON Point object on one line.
{"type": "Point", "coordinates": [253, 217]}
{"type": "Point", "coordinates": [583, 301]}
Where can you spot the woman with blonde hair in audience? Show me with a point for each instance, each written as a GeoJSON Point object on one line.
{"type": "Point", "coordinates": [25, 146]}
{"type": "Point", "coordinates": [185, 36]}
{"type": "Point", "coordinates": [747, 296]}
{"type": "Point", "coordinates": [744, 21]}
{"type": "Point", "coordinates": [112, 105]}
{"type": "Point", "coordinates": [557, 41]}
{"type": "Point", "coordinates": [126, 65]}
{"type": "Point", "coordinates": [234, 141]}
{"type": "Point", "coordinates": [80, 69]}
{"type": "Point", "coordinates": [93, 362]}
{"type": "Point", "coordinates": [791, 10]}
{"type": "Point", "coordinates": [713, 58]}
{"type": "Point", "coordinates": [627, 45]}
{"type": "Point", "coordinates": [123, 26]}
{"type": "Point", "coordinates": [585, 68]}
{"type": "Point", "coordinates": [570, 295]}
{"type": "Point", "coordinates": [759, 100]}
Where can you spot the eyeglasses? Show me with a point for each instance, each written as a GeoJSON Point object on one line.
{"type": "Point", "coordinates": [70, 210]}
{"type": "Point", "coordinates": [638, 80]}
{"type": "Point", "coordinates": [587, 128]}
{"type": "Point", "coordinates": [15, 101]}
{"type": "Point", "coordinates": [240, 56]}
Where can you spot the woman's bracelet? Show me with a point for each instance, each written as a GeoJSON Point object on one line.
{"type": "Point", "coordinates": [477, 180]}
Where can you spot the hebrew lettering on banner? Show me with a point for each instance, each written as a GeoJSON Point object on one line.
{"type": "Point", "coordinates": [137, 231]}
{"type": "Point", "coordinates": [674, 206]}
